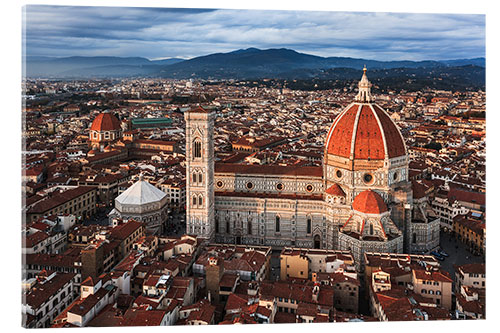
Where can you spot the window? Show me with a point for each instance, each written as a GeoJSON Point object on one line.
{"type": "Point", "coordinates": [367, 178]}
{"type": "Point", "coordinates": [197, 148]}
{"type": "Point", "coordinates": [277, 223]}
{"type": "Point", "coordinates": [228, 230]}
{"type": "Point", "coordinates": [309, 225]}
{"type": "Point", "coordinates": [194, 201]}
{"type": "Point", "coordinates": [200, 200]}
{"type": "Point", "coordinates": [249, 227]}
{"type": "Point", "coordinates": [371, 229]}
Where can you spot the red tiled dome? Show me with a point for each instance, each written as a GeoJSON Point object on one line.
{"type": "Point", "coordinates": [335, 190]}
{"type": "Point", "coordinates": [105, 121]}
{"type": "Point", "coordinates": [364, 131]}
{"type": "Point", "coordinates": [369, 202]}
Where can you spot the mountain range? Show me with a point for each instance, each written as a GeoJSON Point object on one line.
{"type": "Point", "coordinates": [251, 63]}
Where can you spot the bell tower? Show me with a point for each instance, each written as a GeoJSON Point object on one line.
{"type": "Point", "coordinates": [200, 172]}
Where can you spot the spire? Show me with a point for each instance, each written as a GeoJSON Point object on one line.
{"type": "Point", "coordinates": [364, 94]}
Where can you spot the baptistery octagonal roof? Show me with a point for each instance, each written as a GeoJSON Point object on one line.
{"type": "Point", "coordinates": [140, 193]}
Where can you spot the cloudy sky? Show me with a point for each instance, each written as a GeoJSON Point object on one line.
{"type": "Point", "coordinates": [157, 33]}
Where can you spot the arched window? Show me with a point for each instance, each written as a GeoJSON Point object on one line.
{"type": "Point", "coordinates": [194, 201]}
{"type": "Point", "coordinates": [277, 223]}
{"type": "Point", "coordinates": [194, 178]}
{"type": "Point", "coordinates": [371, 229]}
{"type": "Point", "coordinates": [228, 229]}
{"type": "Point", "coordinates": [200, 178]}
{"type": "Point", "coordinates": [309, 224]}
{"type": "Point", "coordinates": [249, 225]}
{"type": "Point", "coordinates": [424, 291]}
{"type": "Point", "coordinates": [200, 200]}
{"type": "Point", "coordinates": [197, 148]}
{"type": "Point", "coordinates": [317, 242]}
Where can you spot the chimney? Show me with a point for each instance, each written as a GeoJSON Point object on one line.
{"type": "Point", "coordinates": [315, 292]}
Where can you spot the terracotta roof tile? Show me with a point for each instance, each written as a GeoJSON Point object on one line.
{"type": "Point", "coordinates": [335, 190]}
{"type": "Point", "coordinates": [105, 121]}
{"type": "Point", "coordinates": [369, 202]}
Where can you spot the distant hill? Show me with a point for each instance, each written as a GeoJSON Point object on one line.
{"type": "Point", "coordinates": [251, 63]}
{"type": "Point", "coordinates": [168, 61]}
{"type": "Point", "coordinates": [92, 66]}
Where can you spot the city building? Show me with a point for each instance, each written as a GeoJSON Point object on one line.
{"type": "Point", "coordinates": [95, 294]}
{"type": "Point", "coordinates": [79, 201]}
{"type": "Point", "coordinates": [471, 230]}
{"type": "Point", "coordinates": [45, 297]}
{"type": "Point", "coordinates": [470, 275]}
{"type": "Point", "coordinates": [433, 284]}
{"type": "Point", "coordinates": [105, 129]}
{"type": "Point", "coordinates": [303, 263]}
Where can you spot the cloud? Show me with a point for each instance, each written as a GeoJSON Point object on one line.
{"type": "Point", "coordinates": [164, 32]}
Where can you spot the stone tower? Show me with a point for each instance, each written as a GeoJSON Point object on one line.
{"type": "Point", "coordinates": [214, 272]}
{"type": "Point", "coordinates": [200, 172]}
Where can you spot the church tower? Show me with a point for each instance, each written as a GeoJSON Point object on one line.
{"type": "Point", "coordinates": [200, 172]}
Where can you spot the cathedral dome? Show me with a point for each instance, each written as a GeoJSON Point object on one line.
{"type": "Point", "coordinates": [105, 121]}
{"type": "Point", "coordinates": [369, 202]}
{"type": "Point", "coordinates": [364, 130]}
